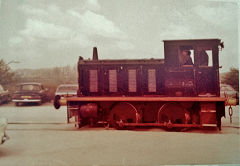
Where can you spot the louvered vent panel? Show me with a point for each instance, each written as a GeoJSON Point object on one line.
{"type": "Point", "coordinates": [132, 81]}
{"type": "Point", "coordinates": [112, 81]}
{"type": "Point", "coordinates": [151, 80]}
{"type": "Point", "coordinates": [93, 80]}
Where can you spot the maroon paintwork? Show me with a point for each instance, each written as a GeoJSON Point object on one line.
{"type": "Point", "coordinates": [146, 91]}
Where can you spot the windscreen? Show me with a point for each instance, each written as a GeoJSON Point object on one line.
{"type": "Point", "coordinates": [30, 87]}
{"type": "Point", "coordinates": [68, 88]}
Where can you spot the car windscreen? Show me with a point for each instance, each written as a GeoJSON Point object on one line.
{"type": "Point", "coordinates": [30, 87]}
{"type": "Point", "coordinates": [68, 88]}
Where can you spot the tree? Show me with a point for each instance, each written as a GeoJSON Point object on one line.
{"type": "Point", "coordinates": [232, 78]}
{"type": "Point", "coordinates": [6, 75]}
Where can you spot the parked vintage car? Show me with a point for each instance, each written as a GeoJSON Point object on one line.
{"type": "Point", "coordinates": [3, 127]}
{"type": "Point", "coordinates": [30, 92]}
{"type": "Point", "coordinates": [232, 95]}
{"type": "Point", "coordinates": [5, 96]}
{"type": "Point", "coordinates": [63, 91]}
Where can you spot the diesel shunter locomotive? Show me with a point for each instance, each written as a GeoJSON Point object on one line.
{"type": "Point", "coordinates": [180, 91]}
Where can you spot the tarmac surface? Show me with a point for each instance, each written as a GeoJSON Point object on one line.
{"type": "Point", "coordinates": [40, 136]}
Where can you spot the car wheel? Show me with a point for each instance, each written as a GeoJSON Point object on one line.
{"type": "Point", "coordinates": [16, 104]}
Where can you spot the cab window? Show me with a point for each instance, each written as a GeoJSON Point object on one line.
{"type": "Point", "coordinates": [186, 55]}
{"type": "Point", "coordinates": [205, 57]}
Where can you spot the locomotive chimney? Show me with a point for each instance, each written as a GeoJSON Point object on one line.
{"type": "Point", "coordinates": [95, 54]}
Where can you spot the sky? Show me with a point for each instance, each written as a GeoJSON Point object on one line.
{"type": "Point", "coordinates": [45, 34]}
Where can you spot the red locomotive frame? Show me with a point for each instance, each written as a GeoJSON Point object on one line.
{"type": "Point", "coordinates": [181, 90]}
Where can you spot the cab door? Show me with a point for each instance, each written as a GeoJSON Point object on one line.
{"type": "Point", "coordinates": [207, 74]}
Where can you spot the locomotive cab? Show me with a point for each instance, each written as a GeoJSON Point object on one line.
{"type": "Point", "coordinates": [192, 67]}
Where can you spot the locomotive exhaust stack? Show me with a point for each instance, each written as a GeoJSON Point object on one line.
{"type": "Point", "coordinates": [95, 54]}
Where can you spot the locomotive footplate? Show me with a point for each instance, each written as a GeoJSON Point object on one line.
{"type": "Point", "coordinates": [168, 125]}
{"type": "Point", "coordinates": [144, 98]}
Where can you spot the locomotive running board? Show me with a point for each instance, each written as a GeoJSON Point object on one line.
{"type": "Point", "coordinates": [121, 124]}
{"type": "Point", "coordinates": [145, 98]}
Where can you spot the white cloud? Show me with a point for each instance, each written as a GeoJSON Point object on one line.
{"type": "Point", "coordinates": [124, 45]}
{"type": "Point", "coordinates": [176, 31]}
{"type": "Point", "coordinates": [93, 5]}
{"type": "Point", "coordinates": [70, 28]}
{"type": "Point", "coordinates": [75, 40]}
{"type": "Point", "coordinates": [53, 23]}
{"type": "Point", "coordinates": [218, 16]}
{"type": "Point", "coordinates": [27, 9]}
{"type": "Point", "coordinates": [100, 25]}
{"type": "Point", "coordinates": [13, 41]}
{"type": "Point", "coordinates": [41, 29]}
{"type": "Point", "coordinates": [64, 33]}
{"type": "Point", "coordinates": [96, 24]}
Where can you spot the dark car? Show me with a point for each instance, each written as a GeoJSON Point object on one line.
{"type": "Point", "coordinates": [30, 93]}
{"type": "Point", "coordinates": [5, 96]}
{"type": "Point", "coordinates": [63, 91]}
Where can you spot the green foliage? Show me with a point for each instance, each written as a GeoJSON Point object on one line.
{"type": "Point", "coordinates": [6, 75]}
{"type": "Point", "coordinates": [232, 78]}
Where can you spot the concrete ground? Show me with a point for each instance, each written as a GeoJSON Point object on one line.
{"type": "Point", "coordinates": [39, 136]}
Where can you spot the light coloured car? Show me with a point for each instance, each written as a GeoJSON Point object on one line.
{"type": "Point", "coordinates": [228, 92]}
{"type": "Point", "coordinates": [63, 91]}
{"type": "Point", "coordinates": [3, 127]}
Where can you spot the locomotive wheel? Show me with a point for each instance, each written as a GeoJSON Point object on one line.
{"type": "Point", "coordinates": [122, 112]}
{"type": "Point", "coordinates": [172, 113]}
